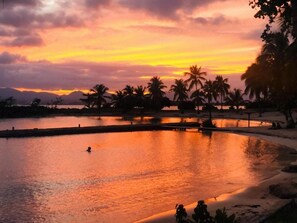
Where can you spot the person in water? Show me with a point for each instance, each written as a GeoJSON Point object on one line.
{"type": "Point", "coordinates": [89, 149]}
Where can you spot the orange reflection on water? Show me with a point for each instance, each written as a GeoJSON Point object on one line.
{"type": "Point", "coordinates": [127, 176]}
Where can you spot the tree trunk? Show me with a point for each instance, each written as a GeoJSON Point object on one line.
{"type": "Point", "coordinates": [221, 102]}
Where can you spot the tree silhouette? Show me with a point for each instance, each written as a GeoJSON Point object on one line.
{"type": "Point", "coordinates": [281, 10]}
{"type": "Point", "coordinates": [140, 95]}
{"type": "Point", "coordinates": [156, 93]}
{"type": "Point", "coordinates": [180, 91]}
{"type": "Point", "coordinates": [117, 99]}
{"type": "Point", "coordinates": [8, 102]}
{"type": "Point", "coordinates": [198, 98]}
{"type": "Point", "coordinates": [88, 101]}
{"type": "Point", "coordinates": [211, 92]}
{"type": "Point", "coordinates": [35, 102]}
{"type": "Point", "coordinates": [98, 95]}
{"type": "Point", "coordinates": [195, 78]}
{"type": "Point", "coordinates": [235, 98]}
{"type": "Point", "coordinates": [128, 90]}
{"type": "Point", "coordinates": [274, 73]}
{"type": "Point", "coordinates": [222, 87]}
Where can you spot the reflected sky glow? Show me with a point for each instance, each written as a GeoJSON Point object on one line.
{"type": "Point", "coordinates": [128, 175]}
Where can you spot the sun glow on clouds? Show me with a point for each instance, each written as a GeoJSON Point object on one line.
{"type": "Point", "coordinates": [92, 40]}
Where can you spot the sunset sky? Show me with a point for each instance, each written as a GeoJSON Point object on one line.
{"type": "Point", "coordinates": [63, 45]}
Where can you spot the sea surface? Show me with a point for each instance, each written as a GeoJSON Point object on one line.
{"type": "Point", "coordinates": [127, 176]}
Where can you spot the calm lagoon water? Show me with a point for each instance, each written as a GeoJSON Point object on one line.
{"type": "Point", "coordinates": [128, 176]}
{"type": "Point", "coordinates": [70, 121]}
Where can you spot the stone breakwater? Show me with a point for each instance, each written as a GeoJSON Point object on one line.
{"type": "Point", "coordinates": [17, 133]}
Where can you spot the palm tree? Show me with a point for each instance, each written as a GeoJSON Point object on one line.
{"type": "Point", "coordinates": [256, 81]}
{"type": "Point", "coordinates": [198, 98]}
{"type": "Point", "coordinates": [139, 94]}
{"type": "Point", "coordinates": [156, 93]}
{"type": "Point", "coordinates": [222, 87]}
{"type": "Point", "coordinates": [88, 101]}
{"type": "Point", "coordinates": [98, 94]}
{"type": "Point", "coordinates": [117, 99]}
{"type": "Point", "coordinates": [128, 90]}
{"type": "Point", "coordinates": [235, 98]}
{"type": "Point", "coordinates": [195, 78]}
{"type": "Point", "coordinates": [180, 91]}
{"type": "Point", "coordinates": [210, 91]}
{"type": "Point", "coordinates": [271, 75]}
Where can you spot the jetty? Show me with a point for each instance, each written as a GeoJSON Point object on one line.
{"type": "Point", "coordinates": [36, 132]}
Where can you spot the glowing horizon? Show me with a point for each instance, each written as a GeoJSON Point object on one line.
{"type": "Point", "coordinates": [117, 42]}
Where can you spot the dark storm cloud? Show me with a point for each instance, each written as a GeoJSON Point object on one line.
{"type": "Point", "coordinates": [165, 8]}
{"type": "Point", "coordinates": [79, 75]}
{"type": "Point", "coordinates": [8, 58]}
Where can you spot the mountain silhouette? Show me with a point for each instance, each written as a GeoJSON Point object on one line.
{"type": "Point", "coordinates": [26, 97]}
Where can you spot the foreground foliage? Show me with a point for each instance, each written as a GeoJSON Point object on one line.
{"type": "Point", "coordinates": [201, 215]}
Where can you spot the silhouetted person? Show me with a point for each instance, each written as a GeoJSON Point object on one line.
{"type": "Point", "coordinates": [89, 149]}
{"type": "Point", "coordinates": [278, 126]}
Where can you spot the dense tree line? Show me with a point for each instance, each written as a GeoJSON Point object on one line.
{"type": "Point", "coordinates": [191, 93]}
{"type": "Point", "coordinates": [273, 75]}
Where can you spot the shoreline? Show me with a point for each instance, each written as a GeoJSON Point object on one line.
{"type": "Point", "coordinates": [250, 204]}
{"type": "Point", "coordinates": [254, 203]}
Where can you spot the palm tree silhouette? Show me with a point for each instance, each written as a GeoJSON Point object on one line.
{"type": "Point", "coordinates": [198, 98]}
{"type": "Point", "coordinates": [210, 91]}
{"type": "Point", "coordinates": [235, 98]}
{"type": "Point", "coordinates": [88, 101]}
{"type": "Point", "coordinates": [222, 87]}
{"type": "Point", "coordinates": [180, 91]}
{"type": "Point", "coordinates": [140, 94]}
{"type": "Point", "coordinates": [98, 94]}
{"type": "Point", "coordinates": [268, 76]}
{"type": "Point", "coordinates": [128, 90]}
{"type": "Point", "coordinates": [117, 99]}
{"type": "Point", "coordinates": [195, 77]}
{"type": "Point", "coordinates": [156, 93]}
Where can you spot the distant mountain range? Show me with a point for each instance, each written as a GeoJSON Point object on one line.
{"type": "Point", "coordinates": [26, 97]}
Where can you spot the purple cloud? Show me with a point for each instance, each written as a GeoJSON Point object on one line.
{"type": "Point", "coordinates": [95, 4]}
{"type": "Point", "coordinates": [8, 58]}
{"type": "Point", "coordinates": [30, 40]}
{"type": "Point", "coordinates": [14, 3]}
{"type": "Point", "coordinates": [21, 24]}
{"type": "Point", "coordinates": [28, 18]}
{"type": "Point", "coordinates": [77, 75]}
{"type": "Point", "coordinates": [167, 9]}
{"type": "Point", "coordinates": [215, 20]}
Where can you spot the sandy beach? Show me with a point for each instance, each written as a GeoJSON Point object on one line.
{"type": "Point", "coordinates": [256, 203]}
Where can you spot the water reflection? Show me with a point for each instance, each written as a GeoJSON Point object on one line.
{"type": "Point", "coordinates": [72, 121]}
{"type": "Point", "coordinates": [127, 176]}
